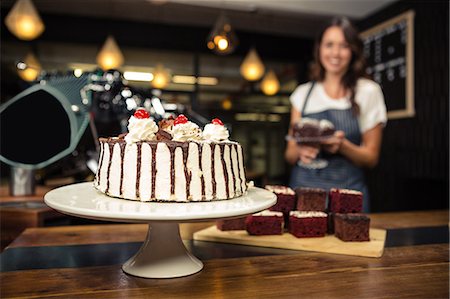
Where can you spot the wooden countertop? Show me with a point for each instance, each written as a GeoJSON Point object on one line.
{"type": "Point", "coordinates": [98, 234]}
{"type": "Point", "coordinates": [407, 271]}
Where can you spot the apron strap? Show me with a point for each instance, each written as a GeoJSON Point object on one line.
{"type": "Point", "coordinates": [307, 98]}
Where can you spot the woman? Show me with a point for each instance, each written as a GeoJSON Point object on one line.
{"type": "Point", "coordinates": [341, 93]}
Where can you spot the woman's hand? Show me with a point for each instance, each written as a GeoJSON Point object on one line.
{"type": "Point", "coordinates": [307, 153]}
{"type": "Point", "coordinates": [334, 143]}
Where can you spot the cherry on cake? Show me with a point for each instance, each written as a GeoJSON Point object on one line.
{"type": "Point", "coordinates": [352, 227]}
{"type": "Point", "coordinates": [231, 224]}
{"type": "Point", "coordinates": [175, 162]}
{"type": "Point", "coordinates": [345, 201]}
{"type": "Point", "coordinates": [265, 223]}
{"type": "Point", "coordinates": [311, 199]}
{"type": "Point", "coordinates": [307, 224]}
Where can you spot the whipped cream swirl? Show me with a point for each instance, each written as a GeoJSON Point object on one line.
{"type": "Point", "coordinates": [215, 133]}
{"type": "Point", "coordinates": [141, 129]}
{"type": "Point", "coordinates": [188, 131]}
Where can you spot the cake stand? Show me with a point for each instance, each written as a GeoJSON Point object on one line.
{"type": "Point", "coordinates": [163, 254]}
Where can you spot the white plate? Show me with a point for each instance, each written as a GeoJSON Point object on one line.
{"type": "Point", "coordinates": [84, 200]}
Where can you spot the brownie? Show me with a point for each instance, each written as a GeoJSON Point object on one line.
{"type": "Point", "coordinates": [265, 223]}
{"type": "Point", "coordinates": [307, 224]}
{"type": "Point", "coordinates": [352, 227]}
{"type": "Point", "coordinates": [330, 223]}
{"type": "Point", "coordinates": [285, 198]}
{"type": "Point", "coordinates": [311, 199]}
{"type": "Point", "coordinates": [345, 201]}
{"type": "Point", "coordinates": [231, 224]}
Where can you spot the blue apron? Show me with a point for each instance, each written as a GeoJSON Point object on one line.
{"type": "Point", "coordinates": [340, 172]}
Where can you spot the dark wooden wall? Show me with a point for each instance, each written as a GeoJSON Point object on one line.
{"type": "Point", "coordinates": [413, 172]}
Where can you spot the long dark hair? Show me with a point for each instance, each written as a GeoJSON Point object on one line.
{"type": "Point", "coordinates": [357, 66]}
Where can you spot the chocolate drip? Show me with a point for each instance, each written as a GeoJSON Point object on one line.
{"type": "Point", "coordinates": [243, 166]}
{"type": "Point", "coordinates": [237, 177]}
{"type": "Point", "coordinates": [153, 147]}
{"type": "Point", "coordinates": [202, 178]}
{"type": "Point", "coordinates": [224, 168]}
{"type": "Point", "coordinates": [213, 179]}
{"type": "Point", "coordinates": [111, 147]}
{"type": "Point", "coordinates": [172, 168]}
{"type": "Point", "coordinates": [138, 168]}
{"type": "Point", "coordinates": [122, 155]}
{"type": "Point", "coordinates": [102, 152]}
{"type": "Point", "coordinates": [232, 170]}
{"type": "Point", "coordinates": [187, 174]}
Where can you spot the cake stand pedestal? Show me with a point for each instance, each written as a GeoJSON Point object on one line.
{"type": "Point", "coordinates": [163, 254]}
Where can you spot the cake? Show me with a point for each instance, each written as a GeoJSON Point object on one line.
{"type": "Point", "coordinates": [352, 227]}
{"type": "Point", "coordinates": [345, 201]}
{"type": "Point", "coordinates": [311, 199]}
{"type": "Point", "coordinates": [311, 128]}
{"type": "Point", "coordinates": [307, 224]}
{"type": "Point", "coordinates": [231, 224]}
{"type": "Point", "coordinates": [285, 198]}
{"type": "Point", "coordinates": [174, 161]}
{"type": "Point", "coordinates": [265, 223]}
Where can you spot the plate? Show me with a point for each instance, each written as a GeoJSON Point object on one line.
{"type": "Point", "coordinates": [84, 200]}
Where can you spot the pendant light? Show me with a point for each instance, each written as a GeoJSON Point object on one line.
{"type": "Point", "coordinates": [222, 39]}
{"type": "Point", "coordinates": [161, 77]}
{"type": "Point", "coordinates": [30, 68]}
{"type": "Point", "coordinates": [270, 84]}
{"type": "Point", "coordinates": [252, 68]}
{"type": "Point", "coordinates": [110, 56]}
{"type": "Point", "coordinates": [24, 21]}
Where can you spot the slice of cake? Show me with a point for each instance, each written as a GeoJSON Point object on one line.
{"type": "Point", "coordinates": [307, 224]}
{"type": "Point", "coordinates": [285, 198]}
{"type": "Point", "coordinates": [231, 224]}
{"type": "Point", "coordinates": [345, 201]}
{"type": "Point", "coordinates": [265, 223]}
{"type": "Point", "coordinates": [306, 128]}
{"type": "Point", "coordinates": [311, 199]}
{"type": "Point", "coordinates": [352, 227]}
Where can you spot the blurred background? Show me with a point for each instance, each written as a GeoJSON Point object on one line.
{"type": "Point", "coordinates": [236, 60]}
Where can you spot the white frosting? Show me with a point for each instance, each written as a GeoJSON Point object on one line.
{"type": "Point", "coordinates": [324, 123]}
{"type": "Point", "coordinates": [346, 191]}
{"type": "Point", "coordinates": [307, 214]}
{"type": "Point", "coordinates": [269, 213]}
{"type": "Point", "coordinates": [215, 133]}
{"type": "Point", "coordinates": [186, 132]}
{"type": "Point", "coordinates": [280, 189]}
{"type": "Point", "coordinates": [145, 183]}
{"type": "Point", "coordinates": [141, 129]}
{"type": "Point", "coordinates": [129, 170]}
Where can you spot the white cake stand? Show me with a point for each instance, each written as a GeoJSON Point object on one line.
{"type": "Point", "coordinates": [163, 254]}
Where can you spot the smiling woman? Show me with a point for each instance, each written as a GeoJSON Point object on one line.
{"type": "Point", "coordinates": [340, 93]}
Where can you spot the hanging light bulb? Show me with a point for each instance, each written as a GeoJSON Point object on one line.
{"type": "Point", "coordinates": [161, 77]}
{"type": "Point", "coordinates": [252, 67]}
{"type": "Point", "coordinates": [30, 68]}
{"type": "Point", "coordinates": [227, 104]}
{"type": "Point", "coordinates": [270, 84]}
{"type": "Point", "coordinates": [24, 21]}
{"type": "Point", "coordinates": [110, 56]}
{"type": "Point", "coordinates": [222, 39]}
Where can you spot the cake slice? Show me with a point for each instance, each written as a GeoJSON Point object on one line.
{"type": "Point", "coordinates": [265, 223]}
{"type": "Point", "coordinates": [311, 199]}
{"type": "Point", "coordinates": [352, 227]}
{"type": "Point", "coordinates": [345, 201]}
{"type": "Point", "coordinates": [231, 224]}
{"type": "Point", "coordinates": [285, 198]}
{"type": "Point", "coordinates": [307, 224]}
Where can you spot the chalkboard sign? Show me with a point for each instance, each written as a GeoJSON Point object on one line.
{"type": "Point", "coordinates": [389, 50]}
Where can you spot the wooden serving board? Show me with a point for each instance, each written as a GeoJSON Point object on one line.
{"type": "Point", "coordinates": [328, 244]}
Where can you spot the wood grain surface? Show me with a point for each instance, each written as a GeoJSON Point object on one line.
{"type": "Point", "coordinates": [402, 272]}
{"type": "Point", "coordinates": [327, 244]}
